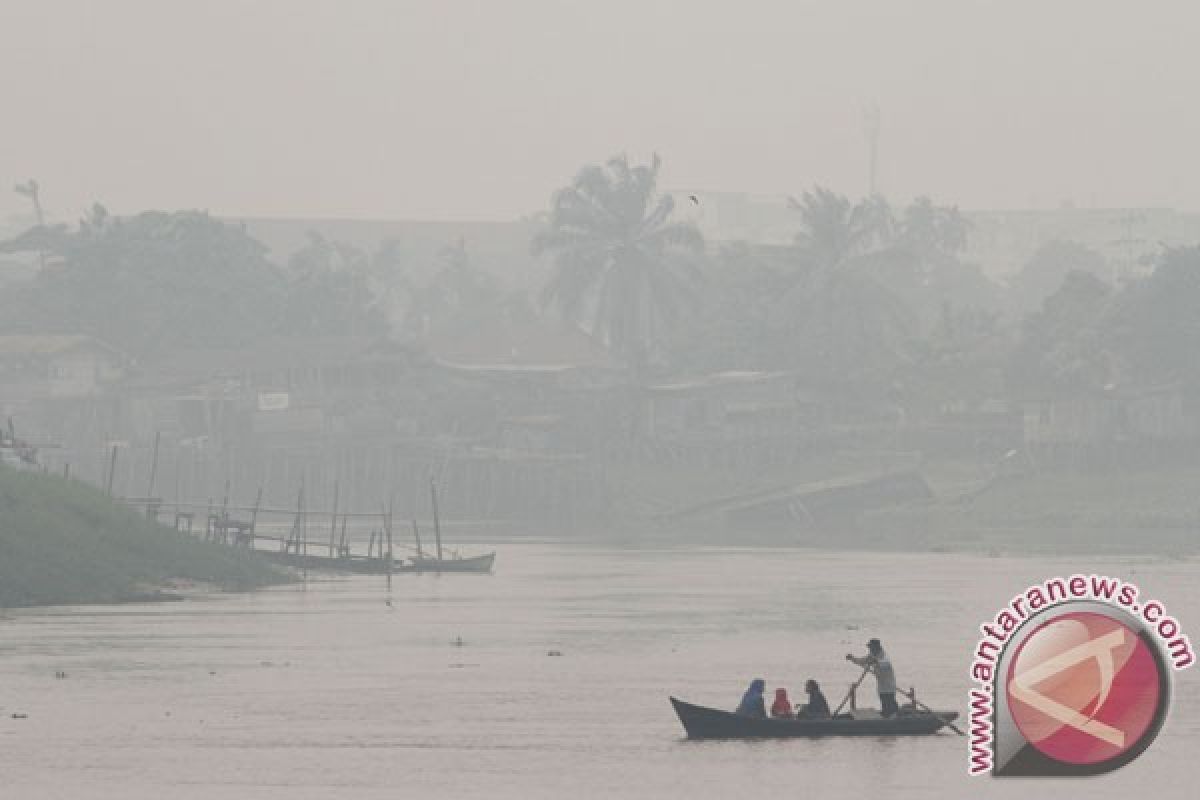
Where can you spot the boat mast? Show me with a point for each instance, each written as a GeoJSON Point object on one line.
{"type": "Point", "coordinates": [437, 526]}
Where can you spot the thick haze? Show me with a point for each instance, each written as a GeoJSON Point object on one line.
{"type": "Point", "coordinates": [480, 110]}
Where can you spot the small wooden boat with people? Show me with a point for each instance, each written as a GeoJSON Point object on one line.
{"type": "Point", "coordinates": [710, 723]}
{"type": "Point", "coordinates": [815, 718]}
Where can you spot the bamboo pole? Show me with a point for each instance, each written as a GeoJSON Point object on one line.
{"type": "Point", "coordinates": [417, 537]}
{"type": "Point", "coordinates": [112, 468]}
{"type": "Point", "coordinates": [388, 528]}
{"type": "Point", "coordinates": [333, 518]}
{"type": "Point", "coordinates": [254, 516]}
{"type": "Point", "coordinates": [153, 466]}
{"type": "Point", "coordinates": [303, 520]}
{"type": "Point", "coordinates": [437, 525]}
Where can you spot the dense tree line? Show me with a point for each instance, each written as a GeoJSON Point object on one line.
{"type": "Point", "coordinates": [867, 298]}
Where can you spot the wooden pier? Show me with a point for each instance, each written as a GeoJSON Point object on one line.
{"type": "Point", "coordinates": [312, 538]}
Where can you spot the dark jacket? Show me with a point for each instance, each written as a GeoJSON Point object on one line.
{"type": "Point", "coordinates": [752, 704]}
{"type": "Point", "coordinates": [817, 706]}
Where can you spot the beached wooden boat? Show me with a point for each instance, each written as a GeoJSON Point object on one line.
{"type": "Point", "coordinates": [711, 723]}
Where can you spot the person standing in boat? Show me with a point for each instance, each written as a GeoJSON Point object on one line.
{"type": "Point", "coordinates": [878, 662]}
{"type": "Point", "coordinates": [782, 707]}
{"type": "Point", "coordinates": [817, 706]}
{"type": "Point", "coordinates": [752, 704]}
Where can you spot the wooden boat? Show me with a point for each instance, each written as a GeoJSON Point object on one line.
{"type": "Point", "coordinates": [361, 565]}
{"type": "Point", "coordinates": [711, 723]}
{"type": "Point", "coordinates": [439, 563]}
{"type": "Point", "coordinates": [358, 565]}
{"type": "Point", "coordinates": [423, 563]}
{"type": "Point", "coordinates": [378, 561]}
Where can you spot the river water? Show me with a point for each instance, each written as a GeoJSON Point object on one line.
{"type": "Point", "coordinates": [327, 690]}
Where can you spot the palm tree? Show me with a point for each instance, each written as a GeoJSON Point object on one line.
{"type": "Point", "coordinates": [833, 230]}
{"type": "Point", "coordinates": [840, 307]}
{"type": "Point", "coordinates": [620, 263]}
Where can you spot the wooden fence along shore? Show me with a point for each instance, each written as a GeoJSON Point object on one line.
{"type": "Point", "coordinates": [314, 539]}
{"type": "Point", "coordinates": [301, 541]}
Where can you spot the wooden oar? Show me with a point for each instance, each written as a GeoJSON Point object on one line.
{"type": "Point", "coordinates": [853, 689]}
{"type": "Point", "coordinates": [909, 695]}
{"type": "Point", "coordinates": [924, 707]}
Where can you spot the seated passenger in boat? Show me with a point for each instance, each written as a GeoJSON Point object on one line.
{"type": "Point", "coordinates": [782, 707]}
{"type": "Point", "coordinates": [752, 704]}
{"type": "Point", "coordinates": [817, 706]}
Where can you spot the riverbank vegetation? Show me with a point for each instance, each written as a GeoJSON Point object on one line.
{"type": "Point", "coordinates": [601, 366]}
{"type": "Point", "coordinates": [64, 542]}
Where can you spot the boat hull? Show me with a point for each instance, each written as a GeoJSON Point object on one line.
{"type": "Point", "coordinates": [710, 723]}
{"type": "Point", "coordinates": [354, 564]}
{"type": "Point", "coordinates": [473, 564]}
{"type": "Point", "coordinates": [379, 566]}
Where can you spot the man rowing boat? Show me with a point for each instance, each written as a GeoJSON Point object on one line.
{"type": "Point", "coordinates": [878, 662]}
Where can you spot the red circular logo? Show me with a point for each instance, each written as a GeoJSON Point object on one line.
{"type": "Point", "coordinates": [1085, 688]}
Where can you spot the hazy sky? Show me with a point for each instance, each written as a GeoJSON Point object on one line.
{"type": "Point", "coordinates": [449, 110]}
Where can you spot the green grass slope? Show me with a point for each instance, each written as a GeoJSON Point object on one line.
{"type": "Point", "coordinates": [63, 542]}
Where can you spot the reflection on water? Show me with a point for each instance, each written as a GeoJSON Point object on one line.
{"type": "Point", "coordinates": [326, 691]}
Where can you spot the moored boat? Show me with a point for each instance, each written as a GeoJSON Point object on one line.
{"type": "Point", "coordinates": [711, 723]}
{"type": "Point", "coordinates": [358, 565]}
{"type": "Point", "coordinates": [481, 563]}
{"type": "Point", "coordinates": [379, 566]}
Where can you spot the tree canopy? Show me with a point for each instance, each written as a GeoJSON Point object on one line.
{"type": "Point", "coordinates": [148, 283]}
{"type": "Point", "coordinates": [621, 265]}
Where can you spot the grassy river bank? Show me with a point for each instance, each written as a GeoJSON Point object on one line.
{"type": "Point", "coordinates": [64, 542]}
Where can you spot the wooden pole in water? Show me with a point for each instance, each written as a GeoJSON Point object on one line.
{"type": "Point", "coordinates": [333, 519]}
{"type": "Point", "coordinates": [254, 516]}
{"type": "Point", "coordinates": [224, 521]}
{"type": "Point", "coordinates": [153, 467]}
{"type": "Point", "coordinates": [67, 471]}
{"type": "Point", "coordinates": [303, 520]}
{"type": "Point", "coordinates": [342, 543]}
{"type": "Point", "coordinates": [293, 539]}
{"type": "Point", "coordinates": [383, 516]}
{"type": "Point", "coordinates": [388, 556]}
{"type": "Point", "coordinates": [437, 525]}
{"type": "Point", "coordinates": [112, 468]}
{"type": "Point", "coordinates": [417, 537]}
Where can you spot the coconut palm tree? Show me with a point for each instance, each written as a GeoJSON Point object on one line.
{"type": "Point", "coordinates": [621, 265]}
{"type": "Point", "coordinates": [843, 315]}
{"type": "Point", "coordinates": [833, 230]}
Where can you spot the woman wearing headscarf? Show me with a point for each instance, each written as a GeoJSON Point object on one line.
{"type": "Point", "coordinates": [782, 707]}
{"type": "Point", "coordinates": [752, 704]}
{"type": "Point", "coordinates": [817, 705]}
